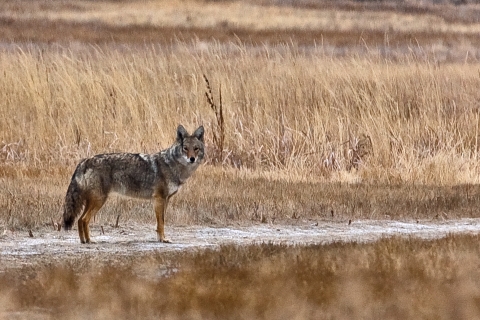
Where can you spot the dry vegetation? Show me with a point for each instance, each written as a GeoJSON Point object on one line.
{"type": "Point", "coordinates": [391, 279]}
{"type": "Point", "coordinates": [305, 134]}
{"type": "Point", "coordinates": [332, 111]}
{"type": "Point", "coordinates": [284, 109]}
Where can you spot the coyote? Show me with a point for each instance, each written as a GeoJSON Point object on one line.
{"type": "Point", "coordinates": [147, 176]}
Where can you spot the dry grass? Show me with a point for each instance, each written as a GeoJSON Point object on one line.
{"type": "Point", "coordinates": [219, 197]}
{"type": "Point", "coordinates": [284, 108]}
{"type": "Point", "coordinates": [390, 279]}
{"type": "Point", "coordinates": [309, 133]}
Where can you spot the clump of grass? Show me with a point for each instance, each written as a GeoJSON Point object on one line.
{"type": "Point", "coordinates": [391, 278]}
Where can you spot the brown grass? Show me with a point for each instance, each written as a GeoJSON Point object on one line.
{"type": "Point", "coordinates": [390, 279]}
{"type": "Point", "coordinates": [364, 137]}
{"type": "Point", "coordinates": [284, 108]}
{"type": "Point", "coordinates": [221, 197]}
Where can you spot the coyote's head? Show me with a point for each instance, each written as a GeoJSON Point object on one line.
{"type": "Point", "coordinates": [190, 147]}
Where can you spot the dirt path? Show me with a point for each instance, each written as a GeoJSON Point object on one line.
{"type": "Point", "coordinates": [18, 248]}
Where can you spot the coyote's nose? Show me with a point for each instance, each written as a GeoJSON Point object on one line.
{"type": "Point", "coordinates": [192, 159]}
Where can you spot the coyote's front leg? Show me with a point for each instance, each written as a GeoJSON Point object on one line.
{"type": "Point", "coordinates": [160, 206]}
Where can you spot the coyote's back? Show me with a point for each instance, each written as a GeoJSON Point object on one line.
{"type": "Point", "coordinates": [147, 176]}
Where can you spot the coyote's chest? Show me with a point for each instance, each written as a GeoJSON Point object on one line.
{"type": "Point", "coordinates": [173, 188]}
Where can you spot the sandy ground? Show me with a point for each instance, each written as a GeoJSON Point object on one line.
{"type": "Point", "coordinates": [18, 248]}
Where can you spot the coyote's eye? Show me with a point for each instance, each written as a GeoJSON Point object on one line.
{"type": "Point", "coordinates": [195, 149]}
{"type": "Point", "coordinates": [185, 149]}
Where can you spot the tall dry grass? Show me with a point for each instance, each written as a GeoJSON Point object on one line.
{"type": "Point", "coordinates": [305, 134]}
{"type": "Point", "coordinates": [285, 108]}
{"type": "Point", "coordinates": [390, 279]}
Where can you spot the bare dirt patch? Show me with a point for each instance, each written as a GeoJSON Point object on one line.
{"type": "Point", "coordinates": [18, 249]}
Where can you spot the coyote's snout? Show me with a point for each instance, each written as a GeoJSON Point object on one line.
{"type": "Point", "coordinates": [147, 176]}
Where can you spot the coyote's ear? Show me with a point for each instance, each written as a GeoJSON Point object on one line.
{"type": "Point", "coordinates": [181, 133]}
{"type": "Point", "coordinates": [199, 133]}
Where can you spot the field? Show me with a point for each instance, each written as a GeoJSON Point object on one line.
{"type": "Point", "coordinates": [341, 180]}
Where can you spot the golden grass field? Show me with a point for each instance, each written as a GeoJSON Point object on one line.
{"type": "Point", "coordinates": [332, 111]}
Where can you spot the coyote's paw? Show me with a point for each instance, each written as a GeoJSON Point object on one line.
{"type": "Point", "coordinates": [161, 238]}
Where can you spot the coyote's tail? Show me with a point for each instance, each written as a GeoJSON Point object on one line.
{"type": "Point", "coordinates": [73, 203]}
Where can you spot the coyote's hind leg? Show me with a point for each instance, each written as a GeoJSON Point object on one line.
{"type": "Point", "coordinates": [91, 208]}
